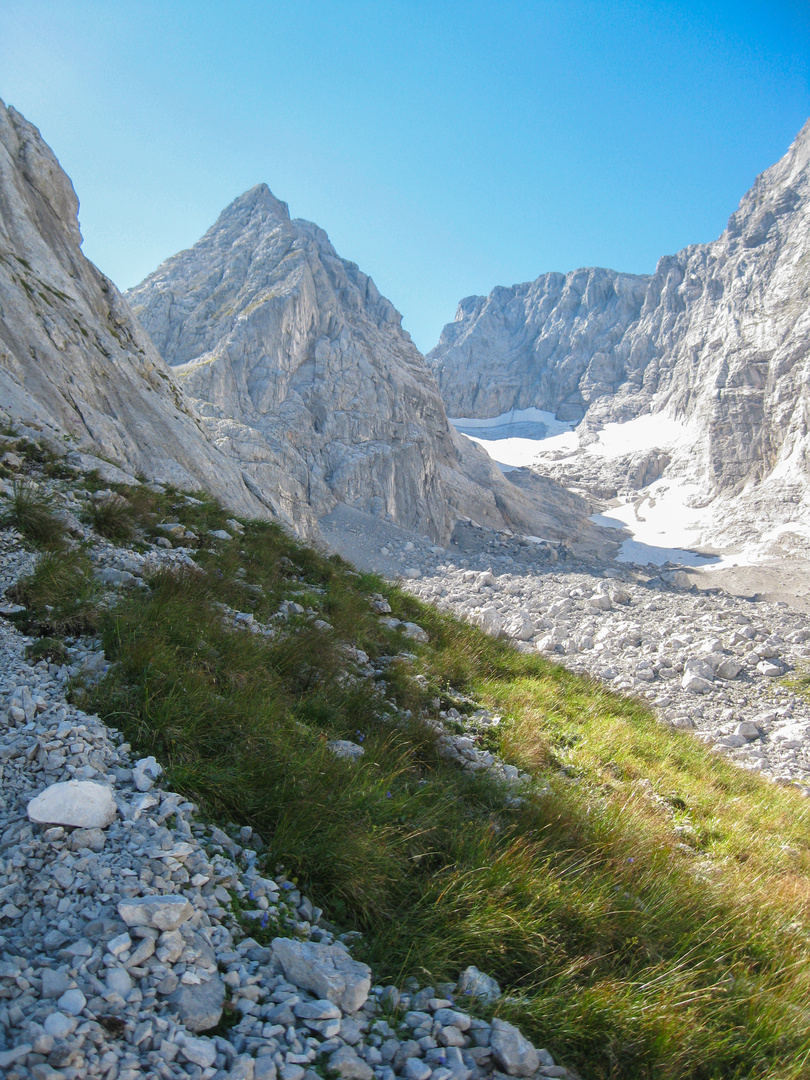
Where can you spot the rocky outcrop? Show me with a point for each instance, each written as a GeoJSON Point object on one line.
{"type": "Point", "coordinates": [305, 377]}
{"type": "Point", "coordinates": [556, 343]}
{"type": "Point", "coordinates": [717, 339]}
{"type": "Point", "coordinates": [72, 358]}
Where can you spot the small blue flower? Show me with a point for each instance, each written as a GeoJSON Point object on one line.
{"type": "Point", "coordinates": [286, 885]}
{"type": "Point", "coordinates": [388, 795]}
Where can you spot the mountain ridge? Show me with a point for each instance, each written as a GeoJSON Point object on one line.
{"type": "Point", "coordinates": [718, 338]}
{"type": "Point", "coordinates": [304, 375]}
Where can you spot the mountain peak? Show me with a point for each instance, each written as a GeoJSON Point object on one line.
{"type": "Point", "coordinates": [258, 201]}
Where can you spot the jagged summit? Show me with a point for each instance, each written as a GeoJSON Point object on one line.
{"type": "Point", "coordinates": [255, 209]}
{"type": "Point", "coordinates": [306, 377]}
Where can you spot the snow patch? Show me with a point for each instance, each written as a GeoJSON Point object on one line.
{"type": "Point", "coordinates": [652, 431]}
{"type": "Point", "coordinates": [517, 439]}
{"type": "Point", "coordinates": [662, 523]}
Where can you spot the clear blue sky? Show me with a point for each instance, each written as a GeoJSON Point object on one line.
{"type": "Point", "coordinates": [446, 147]}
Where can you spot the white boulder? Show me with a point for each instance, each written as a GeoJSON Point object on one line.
{"type": "Point", "coordinates": [81, 803]}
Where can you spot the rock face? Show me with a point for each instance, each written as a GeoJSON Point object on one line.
{"type": "Point", "coordinates": [305, 376]}
{"type": "Point", "coordinates": [556, 343]}
{"type": "Point", "coordinates": [717, 340]}
{"type": "Point", "coordinates": [72, 358]}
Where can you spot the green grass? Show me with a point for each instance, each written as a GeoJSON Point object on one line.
{"type": "Point", "coordinates": [111, 518]}
{"type": "Point", "coordinates": [645, 905]}
{"type": "Point", "coordinates": [60, 596]}
{"type": "Point", "coordinates": [30, 511]}
{"type": "Point", "coordinates": [47, 648]}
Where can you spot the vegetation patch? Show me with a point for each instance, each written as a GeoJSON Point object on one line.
{"type": "Point", "coordinates": [643, 903]}
{"type": "Point", "coordinates": [60, 596]}
{"type": "Point", "coordinates": [111, 518]}
{"type": "Point", "coordinates": [30, 511]}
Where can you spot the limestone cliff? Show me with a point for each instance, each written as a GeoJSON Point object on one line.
{"type": "Point", "coordinates": [72, 357]}
{"type": "Point", "coordinates": [718, 338]}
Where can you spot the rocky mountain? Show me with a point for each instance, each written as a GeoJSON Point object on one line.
{"type": "Point", "coordinates": [717, 341]}
{"type": "Point", "coordinates": [306, 378]}
{"type": "Point", "coordinates": [72, 358]}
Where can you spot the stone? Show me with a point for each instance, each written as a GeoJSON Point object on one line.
{"type": "Point", "coordinates": [119, 944]}
{"type": "Point", "coordinates": [347, 1064]}
{"type": "Point", "coordinates": [728, 669]}
{"type": "Point", "coordinates": [264, 1068]}
{"type": "Point", "coordinates": [59, 1025]}
{"type": "Point", "coordinates": [72, 1002]}
{"type": "Point", "coordinates": [242, 1068]}
{"type": "Point", "coordinates": [119, 982]}
{"type": "Point", "coordinates": [54, 982]}
{"type": "Point", "coordinates": [8, 1057]}
{"type": "Point", "coordinates": [200, 1052]}
{"type": "Point", "coordinates": [415, 632]}
{"type": "Point", "coordinates": [512, 1052]}
{"type": "Point", "coordinates": [749, 730]}
{"type": "Point", "coordinates": [145, 772]}
{"type": "Point", "coordinates": [416, 1069]}
{"type": "Point", "coordinates": [162, 912]}
{"type": "Point", "coordinates": [696, 684]}
{"type": "Point", "coordinates": [769, 669]}
{"type": "Point", "coordinates": [326, 970]}
{"type": "Point", "coordinates": [345, 748]}
{"type": "Point", "coordinates": [476, 984]}
{"type": "Point", "coordinates": [450, 1036]}
{"type": "Point", "coordinates": [317, 1010]}
{"type": "Point", "coordinates": [92, 839]}
{"type": "Point", "coordinates": [83, 803]}
{"type": "Point", "coordinates": [452, 1018]}
{"type": "Point", "coordinates": [199, 1006]}
{"type": "Point", "coordinates": [600, 602]}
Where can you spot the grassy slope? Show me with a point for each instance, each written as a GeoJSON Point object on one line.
{"type": "Point", "coordinates": [645, 907]}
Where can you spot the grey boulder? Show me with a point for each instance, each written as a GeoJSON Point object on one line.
{"type": "Point", "coordinates": [325, 970]}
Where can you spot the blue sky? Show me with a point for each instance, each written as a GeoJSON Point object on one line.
{"type": "Point", "coordinates": [445, 147]}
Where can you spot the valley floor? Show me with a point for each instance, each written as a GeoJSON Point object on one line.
{"type": "Point", "coordinates": [724, 664]}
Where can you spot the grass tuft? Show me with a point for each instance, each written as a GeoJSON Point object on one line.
{"type": "Point", "coordinates": [111, 518]}
{"type": "Point", "coordinates": [31, 512]}
{"type": "Point", "coordinates": [47, 648]}
{"type": "Point", "coordinates": [60, 596]}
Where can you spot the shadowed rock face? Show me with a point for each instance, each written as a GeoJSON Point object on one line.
{"type": "Point", "coordinates": [72, 357]}
{"type": "Point", "coordinates": [305, 376]}
{"type": "Point", "coordinates": [719, 337]}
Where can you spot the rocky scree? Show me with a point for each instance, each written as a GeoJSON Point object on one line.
{"type": "Point", "coordinates": [723, 666]}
